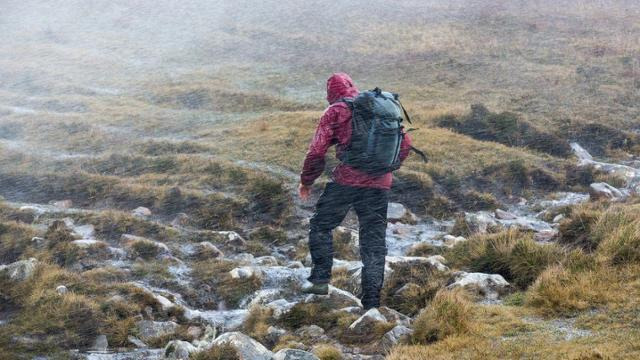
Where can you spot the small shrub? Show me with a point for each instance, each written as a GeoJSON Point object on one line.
{"type": "Point", "coordinates": [475, 201]}
{"type": "Point", "coordinates": [449, 313]}
{"type": "Point", "coordinates": [344, 245]}
{"type": "Point", "coordinates": [222, 352]}
{"type": "Point", "coordinates": [269, 235]}
{"type": "Point", "coordinates": [257, 324]}
{"type": "Point", "coordinates": [58, 233]}
{"type": "Point", "coordinates": [145, 249]}
{"type": "Point", "coordinates": [425, 249]}
{"type": "Point", "coordinates": [14, 241]}
{"type": "Point", "coordinates": [577, 229]}
{"type": "Point", "coordinates": [505, 128]}
{"type": "Point", "coordinates": [327, 352]}
{"type": "Point", "coordinates": [270, 198]}
{"type": "Point", "coordinates": [419, 284]}
{"type": "Point", "coordinates": [559, 292]}
{"type": "Point", "coordinates": [510, 253]}
{"type": "Point", "coordinates": [342, 279]}
{"type": "Point", "coordinates": [622, 246]}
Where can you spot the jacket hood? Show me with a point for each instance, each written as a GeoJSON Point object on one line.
{"type": "Point", "coordinates": [339, 86]}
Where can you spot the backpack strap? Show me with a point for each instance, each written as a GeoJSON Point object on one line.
{"type": "Point", "coordinates": [406, 114]}
{"type": "Point", "coordinates": [419, 152]}
{"type": "Point", "coordinates": [348, 101]}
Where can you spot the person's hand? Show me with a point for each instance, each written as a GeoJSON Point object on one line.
{"type": "Point", "coordinates": [304, 191]}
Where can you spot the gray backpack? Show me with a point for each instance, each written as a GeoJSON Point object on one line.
{"type": "Point", "coordinates": [377, 132]}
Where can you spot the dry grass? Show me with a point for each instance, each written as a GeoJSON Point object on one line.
{"type": "Point", "coordinates": [448, 314]}
{"type": "Point", "coordinates": [512, 254]}
{"type": "Point", "coordinates": [327, 352]}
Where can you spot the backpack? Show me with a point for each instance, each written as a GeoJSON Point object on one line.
{"type": "Point", "coordinates": [376, 132]}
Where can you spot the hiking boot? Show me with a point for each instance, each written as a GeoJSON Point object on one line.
{"type": "Point", "coordinates": [316, 289]}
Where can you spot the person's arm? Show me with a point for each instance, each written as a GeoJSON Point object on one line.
{"type": "Point", "coordinates": [322, 140]}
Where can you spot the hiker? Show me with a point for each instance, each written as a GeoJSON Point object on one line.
{"type": "Point", "coordinates": [352, 186]}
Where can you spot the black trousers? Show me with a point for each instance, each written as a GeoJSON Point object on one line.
{"type": "Point", "coordinates": [371, 207]}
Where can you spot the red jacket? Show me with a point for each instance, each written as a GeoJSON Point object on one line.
{"type": "Point", "coordinates": [335, 129]}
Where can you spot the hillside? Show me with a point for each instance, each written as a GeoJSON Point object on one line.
{"type": "Point", "coordinates": [150, 152]}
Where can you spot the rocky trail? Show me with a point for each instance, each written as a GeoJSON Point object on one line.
{"type": "Point", "coordinates": [277, 278]}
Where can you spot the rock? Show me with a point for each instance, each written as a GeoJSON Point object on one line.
{"type": "Point", "coordinates": [244, 259]}
{"type": "Point", "coordinates": [179, 350]}
{"type": "Point", "coordinates": [266, 261]}
{"type": "Point", "coordinates": [479, 222]}
{"type": "Point", "coordinates": [355, 310]}
{"type": "Point", "coordinates": [394, 336]}
{"type": "Point", "coordinates": [583, 155]}
{"type": "Point", "coordinates": [194, 331]}
{"type": "Point", "coordinates": [245, 272]}
{"type": "Point", "coordinates": [233, 239]}
{"type": "Point", "coordinates": [210, 334]}
{"type": "Point", "coordinates": [83, 231]}
{"type": "Point", "coordinates": [504, 215]}
{"type": "Point", "coordinates": [20, 270]}
{"type": "Point", "coordinates": [206, 249]}
{"type": "Point", "coordinates": [437, 261]}
{"type": "Point", "coordinates": [408, 290]}
{"type": "Point", "coordinates": [394, 316]}
{"type": "Point", "coordinates": [605, 191]}
{"type": "Point", "coordinates": [148, 329]}
{"type": "Point", "coordinates": [181, 219]}
{"type": "Point", "coordinates": [295, 265]}
{"type": "Point", "coordinates": [61, 289]}
{"type": "Point", "coordinates": [310, 331]}
{"type": "Point", "coordinates": [261, 297]}
{"type": "Point", "coordinates": [280, 307]}
{"type": "Point", "coordinates": [337, 298]}
{"type": "Point", "coordinates": [294, 354]}
{"type": "Point", "coordinates": [558, 218]}
{"type": "Point", "coordinates": [451, 241]}
{"type": "Point", "coordinates": [397, 212]}
{"type": "Point", "coordinates": [274, 334]}
{"type": "Point", "coordinates": [136, 342]}
{"type": "Point", "coordinates": [489, 285]}
{"type": "Point", "coordinates": [128, 240]}
{"type": "Point", "coordinates": [247, 348]}
{"type": "Point", "coordinates": [366, 322]}
{"type": "Point", "coordinates": [38, 241]}
{"type": "Point", "coordinates": [100, 343]}
{"type": "Point", "coordinates": [87, 243]}
{"type": "Point", "coordinates": [62, 204]}
{"type": "Point", "coordinates": [545, 236]}
{"type": "Point", "coordinates": [141, 211]}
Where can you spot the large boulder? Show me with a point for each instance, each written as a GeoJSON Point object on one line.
{"type": "Point", "coordinates": [504, 215]}
{"type": "Point", "coordinates": [397, 212]}
{"type": "Point", "coordinates": [337, 298]}
{"type": "Point", "coordinates": [491, 286]}
{"type": "Point", "coordinates": [141, 211]}
{"type": "Point", "coordinates": [435, 261]}
{"type": "Point", "coordinates": [394, 316]}
{"type": "Point", "coordinates": [480, 222]}
{"type": "Point", "coordinates": [294, 354]}
{"type": "Point", "coordinates": [604, 191]}
{"type": "Point", "coordinates": [62, 204]}
{"type": "Point", "coordinates": [100, 343]}
{"type": "Point", "coordinates": [148, 329]}
{"type": "Point", "coordinates": [179, 350]}
{"type": "Point", "coordinates": [366, 322]}
{"type": "Point", "coordinates": [20, 270]}
{"type": "Point", "coordinates": [245, 272]}
{"type": "Point", "coordinates": [206, 250]}
{"type": "Point", "coordinates": [394, 336]}
{"type": "Point", "coordinates": [246, 347]}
